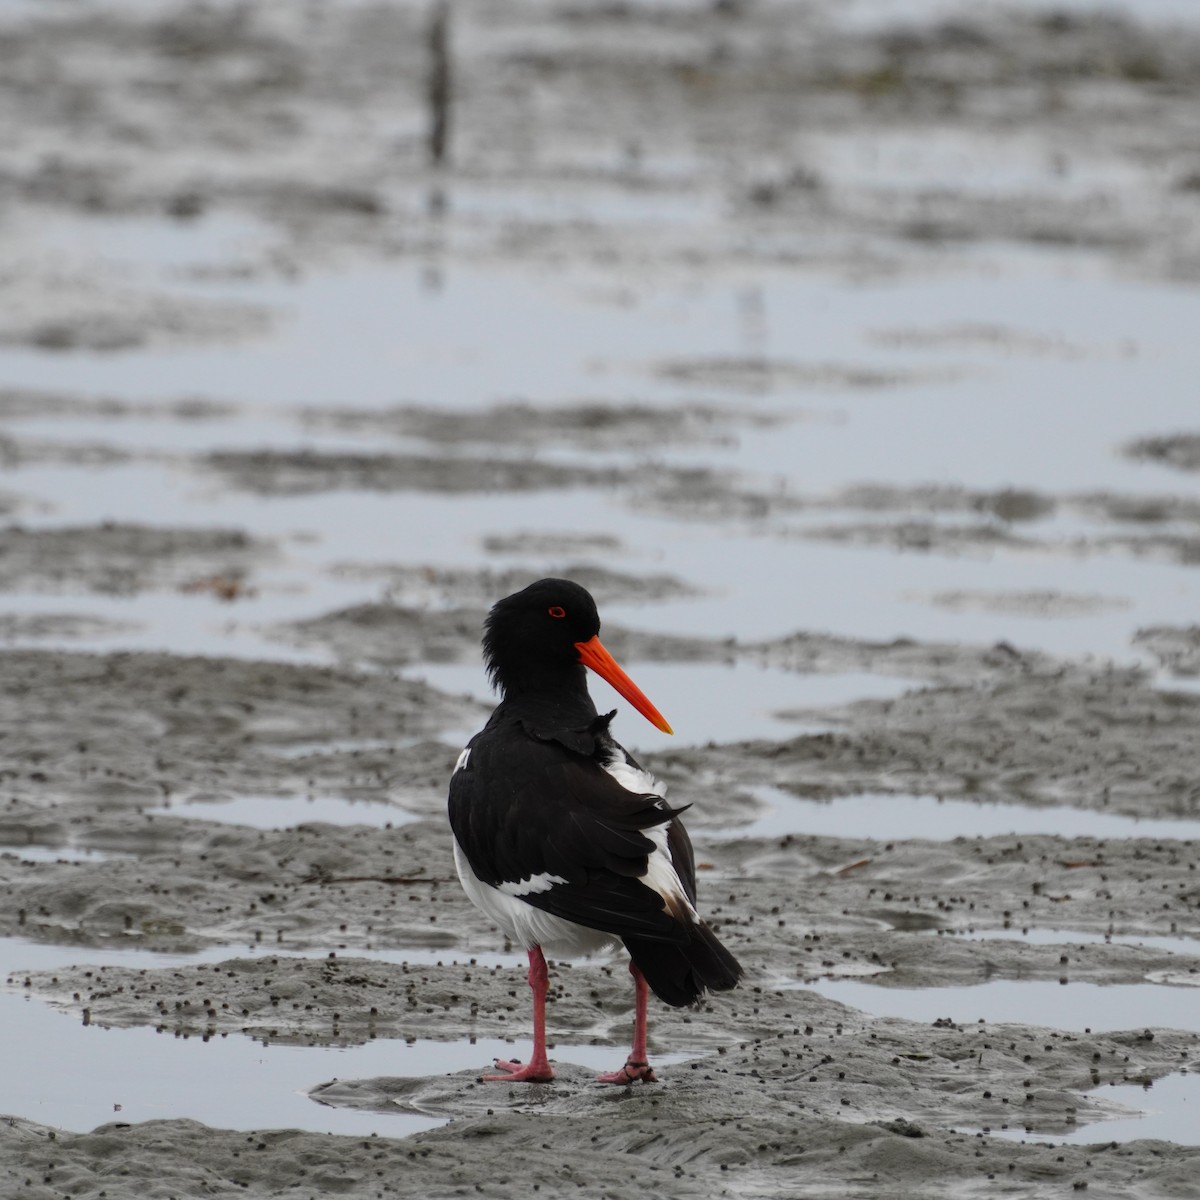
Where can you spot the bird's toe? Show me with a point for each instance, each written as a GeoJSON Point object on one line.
{"type": "Point", "coordinates": [631, 1072]}
{"type": "Point", "coordinates": [516, 1072]}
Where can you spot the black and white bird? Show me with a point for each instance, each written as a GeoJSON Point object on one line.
{"type": "Point", "coordinates": [560, 837]}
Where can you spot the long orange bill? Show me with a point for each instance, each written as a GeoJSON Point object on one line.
{"type": "Point", "coordinates": [592, 654]}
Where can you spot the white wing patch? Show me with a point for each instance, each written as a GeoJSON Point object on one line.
{"type": "Point", "coordinates": [524, 924]}
{"type": "Point", "coordinates": [664, 879]}
{"type": "Point", "coordinates": [660, 874]}
{"type": "Point", "coordinates": [463, 759]}
{"type": "Point", "coordinates": [535, 883]}
{"type": "Point", "coordinates": [633, 779]}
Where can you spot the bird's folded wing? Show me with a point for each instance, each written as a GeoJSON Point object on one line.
{"type": "Point", "coordinates": [530, 813]}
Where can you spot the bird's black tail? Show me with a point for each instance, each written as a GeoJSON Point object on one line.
{"type": "Point", "coordinates": [680, 973]}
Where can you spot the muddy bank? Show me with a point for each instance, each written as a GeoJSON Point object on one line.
{"type": "Point", "coordinates": [944, 520]}
{"type": "Point", "coordinates": [594, 425]}
{"type": "Point", "coordinates": [1177, 650]}
{"type": "Point", "coordinates": [74, 314]}
{"type": "Point", "coordinates": [1101, 740]}
{"type": "Point", "coordinates": [803, 1085]}
{"type": "Point", "coordinates": [1181, 451]}
{"type": "Point", "coordinates": [592, 1154]}
{"type": "Point", "coordinates": [122, 560]}
{"type": "Point", "coordinates": [335, 997]}
{"type": "Point", "coordinates": [283, 473]}
{"type": "Point", "coordinates": [192, 882]}
{"type": "Point", "coordinates": [105, 738]}
{"type": "Point", "coordinates": [130, 730]}
{"type": "Point", "coordinates": [141, 730]}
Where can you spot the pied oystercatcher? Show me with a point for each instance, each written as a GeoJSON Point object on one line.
{"type": "Point", "coordinates": [560, 837]}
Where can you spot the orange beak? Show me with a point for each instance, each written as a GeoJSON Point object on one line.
{"type": "Point", "coordinates": [592, 654]}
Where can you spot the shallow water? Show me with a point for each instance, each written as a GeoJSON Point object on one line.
{"type": "Point", "coordinates": [30, 853]}
{"type": "Point", "coordinates": [1072, 1006]}
{"type": "Point", "coordinates": [1168, 1109]}
{"type": "Point", "coordinates": [1067, 937]}
{"type": "Point", "coordinates": [486, 335]}
{"type": "Point", "coordinates": [886, 817]}
{"type": "Point", "coordinates": [286, 812]}
{"type": "Point", "coordinates": [874, 13]}
{"type": "Point", "coordinates": [96, 1075]}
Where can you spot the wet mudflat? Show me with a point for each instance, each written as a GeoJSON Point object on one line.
{"type": "Point", "coordinates": [845, 352]}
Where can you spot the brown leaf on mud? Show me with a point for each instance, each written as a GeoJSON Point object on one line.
{"type": "Point", "coordinates": [224, 587]}
{"type": "Point", "coordinates": [862, 862]}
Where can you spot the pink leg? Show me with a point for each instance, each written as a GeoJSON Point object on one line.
{"type": "Point", "coordinates": [538, 1069]}
{"type": "Point", "coordinates": [636, 1066]}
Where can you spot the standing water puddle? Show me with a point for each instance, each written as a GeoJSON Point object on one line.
{"type": "Point", "coordinates": [887, 817]}
{"type": "Point", "coordinates": [1072, 1006]}
{"type": "Point", "coordinates": [95, 1074]}
{"type": "Point", "coordinates": [1167, 1109]}
{"type": "Point", "coordinates": [1067, 937]}
{"type": "Point", "coordinates": [285, 812]}
{"type": "Point", "coordinates": [33, 853]}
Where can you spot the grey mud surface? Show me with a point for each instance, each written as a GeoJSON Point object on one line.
{"type": "Point", "coordinates": [250, 112]}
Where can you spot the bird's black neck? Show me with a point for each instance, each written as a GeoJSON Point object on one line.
{"type": "Point", "coordinates": [554, 696]}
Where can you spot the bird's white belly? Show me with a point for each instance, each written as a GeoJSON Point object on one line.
{"type": "Point", "coordinates": [522, 923]}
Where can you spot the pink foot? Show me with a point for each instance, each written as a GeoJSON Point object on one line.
{"type": "Point", "coordinates": [515, 1072]}
{"type": "Point", "coordinates": [631, 1072]}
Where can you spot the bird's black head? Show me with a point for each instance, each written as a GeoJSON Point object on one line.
{"type": "Point", "coordinates": [535, 633]}
{"type": "Point", "coordinates": [536, 644]}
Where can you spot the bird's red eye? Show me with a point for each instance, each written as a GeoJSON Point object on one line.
{"type": "Point", "coordinates": [556, 611]}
